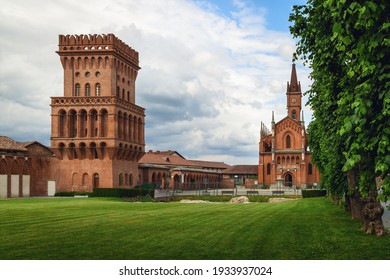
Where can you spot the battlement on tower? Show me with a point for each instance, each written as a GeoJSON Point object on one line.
{"type": "Point", "coordinates": [96, 43]}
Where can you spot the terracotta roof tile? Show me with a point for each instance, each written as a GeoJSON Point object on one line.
{"type": "Point", "coordinates": [9, 144]}
{"type": "Point", "coordinates": [173, 158]}
{"type": "Point", "coordinates": [210, 164]}
{"type": "Point", "coordinates": [241, 169]}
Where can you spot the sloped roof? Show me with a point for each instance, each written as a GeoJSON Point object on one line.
{"type": "Point", "coordinates": [210, 164]}
{"type": "Point", "coordinates": [30, 143]}
{"type": "Point", "coordinates": [173, 158]}
{"type": "Point", "coordinates": [241, 170]}
{"type": "Point", "coordinates": [9, 144]}
{"type": "Point", "coordinates": [164, 158]}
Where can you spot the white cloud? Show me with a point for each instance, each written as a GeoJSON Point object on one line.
{"type": "Point", "coordinates": [206, 81]}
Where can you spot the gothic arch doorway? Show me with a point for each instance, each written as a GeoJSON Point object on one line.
{"type": "Point", "coordinates": [288, 180]}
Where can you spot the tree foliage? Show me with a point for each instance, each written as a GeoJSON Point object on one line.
{"type": "Point", "coordinates": [346, 45]}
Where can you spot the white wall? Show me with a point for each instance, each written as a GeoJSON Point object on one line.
{"type": "Point", "coordinates": [3, 186]}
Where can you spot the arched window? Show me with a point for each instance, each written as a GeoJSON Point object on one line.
{"type": "Point", "coordinates": [117, 92]}
{"type": "Point", "coordinates": [72, 123]}
{"type": "Point", "coordinates": [278, 160]}
{"type": "Point", "coordinates": [131, 180]}
{"type": "Point", "coordinates": [87, 90]}
{"type": "Point", "coordinates": [97, 89]}
{"type": "Point", "coordinates": [103, 123]}
{"type": "Point", "coordinates": [294, 115]}
{"type": "Point", "coordinates": [62, 123]}
{"type": "Point", "coordinates": [120, 179]}
{"type": "Point", "coordinates": [268, 169]}
{"type": "Point", "coordinates": [288, 142]}
{"type": "Point", "coordinates": [310, 169]}
{"type": "Point", "coordinates": [77, 90]}
{"type": "Point", "coordinates": [95, 180]}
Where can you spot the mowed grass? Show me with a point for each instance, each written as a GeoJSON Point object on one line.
{"type": "Point", "coordinates": [101, 228]}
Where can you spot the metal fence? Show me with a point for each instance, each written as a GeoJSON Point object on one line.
{"type": "Point", "coordinates": [217, 189]}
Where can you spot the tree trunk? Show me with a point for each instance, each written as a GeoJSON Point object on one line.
{"type": "Point", "coordinates": [355, 203]}
{"type": "Point", "coordinates": [372, 213]}
{"type": "Point", "coordinates": [347, 205]}
{"type": "Point", "coordinates": [366, 209]}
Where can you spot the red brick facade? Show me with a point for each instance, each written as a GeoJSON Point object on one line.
{"type": "Point", "coordinates": [97, 129]}
{"type": "Point", "coordinates": [283, 153]}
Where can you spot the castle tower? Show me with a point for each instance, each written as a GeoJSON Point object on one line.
{"type": "Point", "coordinates": [294, 96]}
{"type": "Point", "coordinates": [97, 129]}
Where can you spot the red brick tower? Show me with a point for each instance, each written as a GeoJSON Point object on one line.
{"type": "Point", "coordinates": [97, 129]}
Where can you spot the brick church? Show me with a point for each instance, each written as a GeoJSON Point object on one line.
{"type": "Point", "coordinates": [284, 157]}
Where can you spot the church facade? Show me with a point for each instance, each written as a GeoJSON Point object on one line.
{"type": "Point", "coordinates": [284, 158]}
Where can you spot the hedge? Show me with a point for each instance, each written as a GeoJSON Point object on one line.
{"type": "Point", "coordinates": [71, 194]}
{"type": "Point", "coordinates": [313, 193]}
{"type": "Point", "coordinates": [117, 192]}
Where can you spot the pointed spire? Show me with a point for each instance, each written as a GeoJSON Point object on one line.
{"type": "Point", "coordinates": [294, 85]}
{"type": "Point", "coordinates": [273, 118]}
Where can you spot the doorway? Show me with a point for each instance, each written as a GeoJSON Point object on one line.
{"type": "Point", "coordinates": [288, 180]}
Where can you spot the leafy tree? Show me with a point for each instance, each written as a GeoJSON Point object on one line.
{"type": "Point", "coordinates": [346, 45]}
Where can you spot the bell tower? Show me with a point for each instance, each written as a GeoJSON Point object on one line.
{"type": "Point", "coordinates": [97, 129]}
{"type": "Point", "coordinates": [294, 96]}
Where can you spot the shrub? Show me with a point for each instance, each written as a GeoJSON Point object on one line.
{"type": "Point", "coordinates": [117, 192]}
{"type": "Point", "coordinates": [313, 193]}
{"type": "Point", "coordinates": [71, 194]}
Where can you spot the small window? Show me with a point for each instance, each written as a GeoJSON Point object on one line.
{"type": "Point", "coordinates": [77, 90]}
{"type": "Point", "coordinates": [97, 90]}
{"type": "Point", "coordinates": [87, 74]}
{"type": "Point", "coordinates": [268, 169]}
{"type": "Point", "coordinates": [294, 114]}
{"type": "Point", "coordinates": [310, 169]}
{"type": "Point", "coordinates": [87, 90]}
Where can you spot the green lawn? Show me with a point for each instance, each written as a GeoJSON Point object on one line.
{"type": "Point", "coordinates": [101, 228]}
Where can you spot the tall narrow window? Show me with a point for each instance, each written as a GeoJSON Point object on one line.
{"type": "Point", "coordinates": [97, 89]}
{"type": "Point", "coordinates": [87, 90]}
{"type": "Point", "coordinates": [62, 123]}
{"type": "Point", "coordinates": [77, 90]}
{"type": "Point", "coordinates": [310, 169]}
{"type": "Point", "coordinates": [268, 169]}
{"type": "Point", "coordinates": [288, 142]}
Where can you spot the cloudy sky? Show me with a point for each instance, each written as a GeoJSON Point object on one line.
{"type": "Point", "coordinates": [212, 70]}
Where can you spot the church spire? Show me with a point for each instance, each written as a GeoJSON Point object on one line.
{"type": "Point", "coordinates": [294, 85]}
{"type": "Point", "coordinates": [294, 96]}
